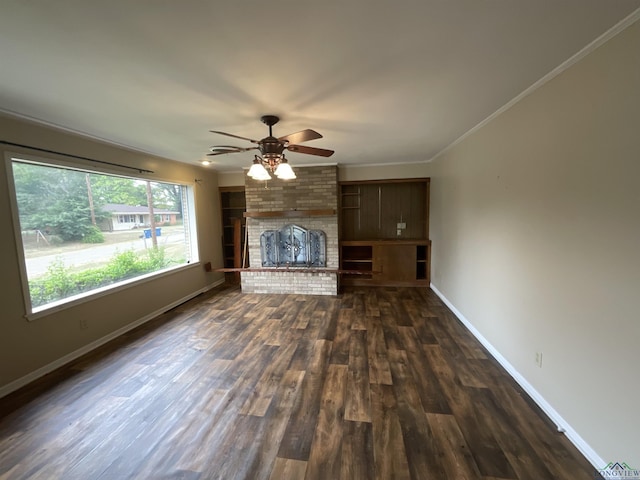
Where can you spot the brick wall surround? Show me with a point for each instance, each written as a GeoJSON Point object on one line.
{"type": "Point", "coordinates": [315, 188]}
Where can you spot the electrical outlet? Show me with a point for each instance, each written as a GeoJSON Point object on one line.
{"type": "Point", "coordinates": [83, 324]}
{"type": "Point", "coordinates": [539, 359]}
{"type": "Point", "coordinates": [402, 225]}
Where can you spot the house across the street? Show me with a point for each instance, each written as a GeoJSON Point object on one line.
{"type": "Point", "coordinates": [126, 217]}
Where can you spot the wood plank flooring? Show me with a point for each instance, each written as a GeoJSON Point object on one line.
{"type": "Point", "coordinates": [376, 383]}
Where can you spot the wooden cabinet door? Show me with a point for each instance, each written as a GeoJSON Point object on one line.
{"type": "Point", "coordinates": [397, 263]}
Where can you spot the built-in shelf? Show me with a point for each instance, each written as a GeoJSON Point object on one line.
{"type": "Point", "coordinates": [384, 228]}
{"type": "Point", "coordinates": [358, 258]}
{"type": "Point", "coordinates": [291, 213]}
{"type": "Point", "coordinates": [232, 206]}
{"type": "Point", "coordinates": [385, 262]}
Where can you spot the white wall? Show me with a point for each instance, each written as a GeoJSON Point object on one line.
{"type": "Point", "coordinates": [231, 179]}
{"type": "Point", "coordinates": [535, 221]}
{"type": "Point", "coordinates": [27, 349]}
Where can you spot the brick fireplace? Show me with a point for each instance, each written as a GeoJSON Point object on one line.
{"type": "Point", "coordinates": [310, 201]}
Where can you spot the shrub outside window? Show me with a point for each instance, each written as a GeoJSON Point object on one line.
{"type": "Point", "coordinates": [83, 232]}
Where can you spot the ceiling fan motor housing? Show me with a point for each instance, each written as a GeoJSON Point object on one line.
{"type": "Point", "coordinates": [271, 147]}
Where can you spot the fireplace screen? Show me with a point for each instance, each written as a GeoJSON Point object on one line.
{"type": "Point", "coordinates": [293, 246]}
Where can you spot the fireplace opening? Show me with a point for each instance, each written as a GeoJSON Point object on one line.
{"type": "Point", "coordinates": [293, 246]}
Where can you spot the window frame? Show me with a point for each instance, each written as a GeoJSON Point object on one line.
{"type": "Point", "coordinates": [189, 219]}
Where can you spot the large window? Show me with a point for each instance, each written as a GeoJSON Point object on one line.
{"type": "Point", "coordinates": [84, 232]}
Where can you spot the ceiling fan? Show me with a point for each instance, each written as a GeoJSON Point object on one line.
{"type": "Point", "coordinates": [272, 150]}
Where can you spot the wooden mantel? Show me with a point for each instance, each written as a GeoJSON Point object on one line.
{"type": "Point", "coordinates": [291, 213]}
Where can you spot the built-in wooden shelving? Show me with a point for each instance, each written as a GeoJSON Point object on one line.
{"type": "Point", "coordinates": [384, 229]}
{"type": "Point", "coordinates": [232, 206]}
{"type": "Point", "coordinates": [385, 262]}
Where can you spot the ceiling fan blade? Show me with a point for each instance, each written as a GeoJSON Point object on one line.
{"type": "Point", "coordinates": [228, 149]}
{"type": "Point", "coordinates": [301, 136]}
{"type": "Point", "coordinates": [234, 136]}
{"type": "Point", "coordinates": [221, 152]}
{"type": "Point", "coordinates": [310, 150]}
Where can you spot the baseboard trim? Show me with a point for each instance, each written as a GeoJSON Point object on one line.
{"type": "Point", "coordinates": [562, 425]}
{"type": "Point", "coordinates": [42, 371]}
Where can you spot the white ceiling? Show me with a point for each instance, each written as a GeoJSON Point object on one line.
{"type": "Point", "coordinates": [383, 81]}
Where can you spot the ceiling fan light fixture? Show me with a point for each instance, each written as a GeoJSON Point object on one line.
{"type": "Point", "coordinates": [284, 171]}
{"type": "Point", "coordinates": [257, 171]}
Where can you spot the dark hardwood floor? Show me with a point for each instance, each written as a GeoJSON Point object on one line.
{"type": "Point", "coordinates": [377, 383]}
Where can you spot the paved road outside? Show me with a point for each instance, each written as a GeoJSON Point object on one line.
{"type": "Point", "coordinates": [98, 254]}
